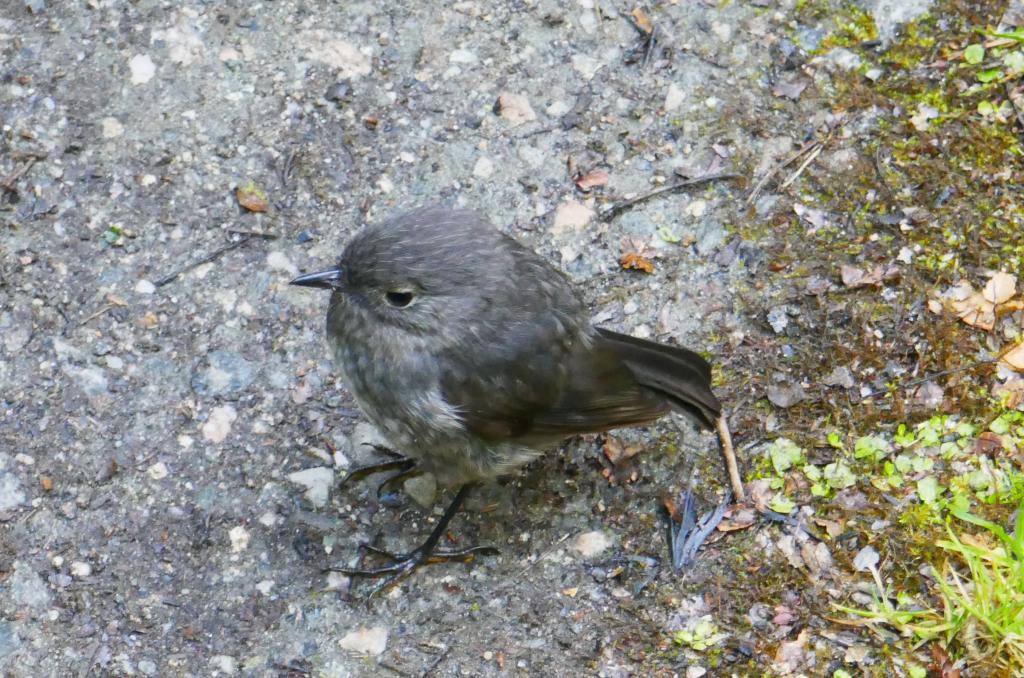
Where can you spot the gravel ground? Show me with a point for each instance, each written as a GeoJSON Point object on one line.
{"type": "Point", "coordinates": [171, 428]}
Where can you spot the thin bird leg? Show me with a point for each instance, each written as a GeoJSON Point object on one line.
{"type": "Point", "coordinates": [360, 472]}
{"type": "Point", "coordinates": [402, 565]}
{"type": "Point", "coordinates": [725, 438]}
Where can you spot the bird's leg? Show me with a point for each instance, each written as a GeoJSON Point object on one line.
{"type": "Point", "coordinates": [403, 564]}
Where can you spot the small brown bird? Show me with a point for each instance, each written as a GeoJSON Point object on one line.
{"type": "Point", "coordinates": [473, 356]}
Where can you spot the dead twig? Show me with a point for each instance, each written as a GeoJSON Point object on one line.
{"type": "Point", "coordinates": [722, 426]}
{"type": "Point", "coordinates": [435, 663]}
{"type": "Point", "coordinates": [1016, 108]}
{"type": "Point", "coordinates": [815, 152]}
{"type": "Point", "coordinates": [930, 377]}
{"type": "Point", "coordinates": [652, 41]}
{"type": "Point", "coordinates": [619, 208]}
{"type": "Point", "coordinates": [254, 234]}
{"type": "Point", "coordinates": [97, 314]}
{"type": "Point", "coordinates": [517, 579]}
{"type": "Point", "coordinates": [778, 167]}
{"type": "Point", "coordinates": [31, 158]}
{"type": "Point", "coordinates": [220, 251]}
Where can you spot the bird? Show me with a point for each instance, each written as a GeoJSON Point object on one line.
{"type": "Point", "coordinates": [473, 356]}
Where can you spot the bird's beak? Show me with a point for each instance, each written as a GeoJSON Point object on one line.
{"type": "Point", "coordinates": [327, 280]}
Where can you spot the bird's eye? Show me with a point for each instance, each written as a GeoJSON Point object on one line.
{"type": "Point", "coordinates": [398, 299]}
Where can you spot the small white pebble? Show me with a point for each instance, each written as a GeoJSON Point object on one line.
{"type": "Point", "coordinates": [697, 208]}
{"type": "Point", "coordinates": [145, 287]}
{"type": "Point", "coordinates": [265, 586]}
{"type": "Point", "coordinates": [111, 128]}
{"type": "Point", "coordinates": [483, 168]}
{"type": "Point", "coordinates": [80, 569]}
{"type": "Point", "coordinates": [142, 68]}
{"type": "Point", "coordinates": [224, 663]}
{"type": "Point", "coordinates": [25, 459]}
{"type": "Point", "coordinates": [239, 537]}
{"type": "Point", "coordinates": [590, 544]}
{"type": "Point", "coordinates": [372, 641]}
{"type": "Point", "coordinates": [158, 471]}
{"type": "Point", "coordinates": [337, 581]}
{"type": "Point", "coordinates": [279, 261]}
{"type": "Point", "coordinates": [218, 425]}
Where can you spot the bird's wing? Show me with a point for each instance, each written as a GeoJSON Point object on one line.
{"type": "Point", "coordinates": [677, 374]}
{"type": "Point", "coordinates": [538, 384]}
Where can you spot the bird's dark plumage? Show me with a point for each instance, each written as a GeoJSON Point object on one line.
{"type": "Point", "coordinates": [494, 359]}
{"type": "Point", "coordinates": [473, 355]}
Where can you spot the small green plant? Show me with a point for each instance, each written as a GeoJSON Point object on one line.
{"type": "Point", "coordinates": [699, 635]}
{"type": "Point", "coordinates": [981, 590]}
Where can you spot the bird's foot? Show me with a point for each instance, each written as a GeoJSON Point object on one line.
{"type": "Point", "coordinates": [401, 464]}
{"type": "Point", "coordinates": [403, 564]}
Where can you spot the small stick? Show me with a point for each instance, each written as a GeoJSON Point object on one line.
{"type": "Point", "coordinates": [619, 208]}
{"type": "Point", "coordinates": [722, 426]}
{"type": "Point", "coordinates": [254, 234]}
{"type": "Point", "coordinates": [8, 182]}
{"type": "Point", "coordinates": [807, 161]}
{"type": "Point", "coordinates": [170, 277]}
{"type": "Point", "coordinates": [1016, 109]}
{"type": "Point", "coordinates": [97, 314]}
{"type": "Point", "coordinates": [918, 382]}
{"type": "Point", "coordinates": [778, 167]}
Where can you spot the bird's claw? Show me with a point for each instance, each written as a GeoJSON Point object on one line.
{"type": "Point", "coordinates": [403, 564]}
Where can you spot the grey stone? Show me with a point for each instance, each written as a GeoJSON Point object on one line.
{"type": "Point", "coordinates": [11, 493]}
{"type": "Point", "coordinates": [27, 588]}
{"type": "Point", "coordinates": [227, 373]}
{"type": "Point", "coordinates": [9, 640]}
{"type": "Point", "coordinates": [92, 380]}
{"type": "Point", "coordinates": [422, 489]}
{"type": "Point", "coordinates": [889, 15]}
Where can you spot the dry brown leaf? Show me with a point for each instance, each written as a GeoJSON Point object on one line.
{"type": "Point", "coordinates": [834, 528]}
{"type": "Point", "coordinates": [793, 655]}
{"type": "Point", "coordinates": [1014, 358]}
{"type": "Point", "coordinates": [1010, 306]}
{"type": "Point", "coordinates": [613, 449]}
{"type": "Point", "coordinates": [976, 311]}
{"type": "Point", "coordinates": [783, 615]}
{"type": "Point", "coordinates": [301, 392]}
{"type": "Point", "coordinates": [643, 21]}
{"type": "Point", "coordinates": [638, 262]}
{"type": "Point", "coordinates": [988, 443]}
{"type": "Point", "coordinates": [737, 518]}
{"type": "Point", "coordinates": [1011, 391]}
{"type": "Point", "coordinates": [941, 664]}
{"type": "Point", "coordinates": [854, 277]}
{"type": "Point", "coordinates": [591, 180]}
{"type": "Point", "coordinates": [252, 197]}
{"type": "Point", "coordinates": [1000, 288]}
{"type": "Point", "coordinates": [673, 509]}
{"type": "Point", "coordinates": [761, 493]}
